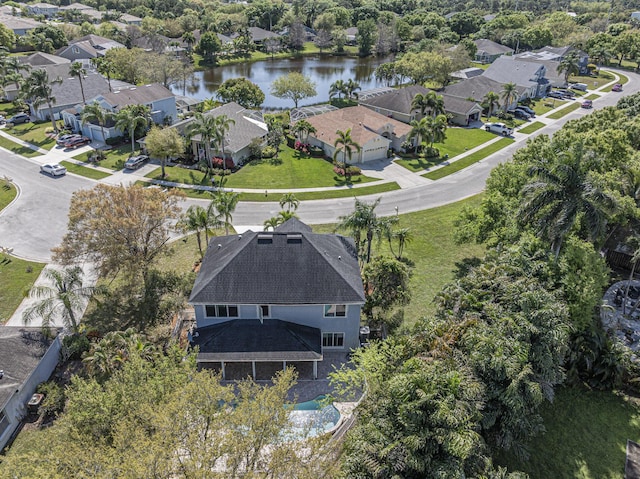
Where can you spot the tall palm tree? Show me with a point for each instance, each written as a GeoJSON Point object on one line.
{"type": "Point", "coordinates": [558, 196]}
{"type": "Point", "coordinates": [223, 125]}
{"type": "Point", "coordinates": [65, 298]}
{"type": "Point", "coordinates": [225, 202]}
{"type": "Point", "coordinates": [438, 127]}
{"type": "Point", "coordinates": [569, 65]}
{"type": "Point", "coordinates": [419, 103]}
{"type": "Point", "coordinates": [430, 103]}
{"type": "Point", "coordinates": [364, 221]}
{"type": "Point", "coordinates": [337, 87]}
{"type": "Point", "coordinates": [198, 220]}
{"type": "Point", "coordinates": [303, 129]}
{"type": "Point", "coordinates": [492, 99]}
{"type": "Point", "coordinates": [350, 88]}
{"type": "Point", "coordinates": [290, 201]}
{"type": "Point", "coordinates": [105, 67]}
{"type": "Point", "coordinates": [205, 126]}
{"type": "Point", "coordinates": [95, 112]}
{"type": "Point", "coordinates": [129, 120]}
{"type": "Point", "coordinates": [12, 68]}
{"type": "Point", "coordinates": [346, 145]}
{"type": "Point", "coordinates": [272, 223]}
{"type": "Point", "coordinates": [509, 94]}
{"type": "Point", "coordinates": [420, 130]}
{"type": "Point", "coordinates": [189, 39]}
{"type": "Point", "coordinates": [77, 70]}
{"type": "Point", "coordinates": [38, 89]}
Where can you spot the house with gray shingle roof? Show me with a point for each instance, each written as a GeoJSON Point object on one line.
{"type": "Point", "coordinates": [527, 75]}
{"type": "Point", "coordinates": [489, 50]}
{"type": "Point", "coordinates": [45, 9]}
{"type": "Point", "coordinates": [279, 298]}
{"type": "Point", "coordinates": [88, 47]}
{"type": "Point", "coordinates": [19, 25]}
{"type": "Point", "coordinates": [476, 88]}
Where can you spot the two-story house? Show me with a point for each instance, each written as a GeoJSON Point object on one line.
{"type": "Point", "coordinates": [88, 47]}
{"type": "Point", "coordinates": [530, 76]}
{"type": "Point", "coordinates": [266, 300]}
{"type": "Point", "coordinates": [488, 51]}
{"type": "Point", "coordinates": [45, 9]}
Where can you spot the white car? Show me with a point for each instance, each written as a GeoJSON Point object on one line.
{"type": "Point", "coordinates": [54, 169]}
{"type": "Point", "coordinates": [499, 128]}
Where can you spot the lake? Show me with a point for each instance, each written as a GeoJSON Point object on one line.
{"type": "Point", "coordinates": [324, 70]}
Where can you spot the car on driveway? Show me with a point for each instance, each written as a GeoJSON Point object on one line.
{"type": "Point", "coordinates": [555, 94]}
{"type": "Point", "coordinates": [64, 138]}
{"type": "Point", "coordinates": [76, 142]}
{"type": "Point", "coordinates": [616, 87]}
{"type": "Point", "coordinates": [587, 104]}
{"type": "Point", "coordinates": [53, 169]}
{"type": "Point", "coordinates": [19, 118]}
{"type": "Point", "coordinates": [520, 114]}
{"type": "Point", "coordinates": [531, 112]}
{"type": "Point", "coordinates": [135, 162]}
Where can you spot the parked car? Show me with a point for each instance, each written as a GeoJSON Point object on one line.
{"type": "Point", "coordinates": [616, 87]}
{"type": "Point", "coordinates": [53, 169]}
{"type": "Point", "coordinates": [531, 112]}
{"type": "Point", "coordinates": [587, 104]}
{"type": "Point", "coordinates": [521, 114]}
{"type": "Point", "coordinates": [555, 94]}
{"type": "Point", "coordinates": [578, 86]}
{"type": "Point", "coordinates": [135, 162]}
{"type": "Point", "coordinates": [19, 118]}
{"type": "Point", "coordinates": [499, 128]}
{"type": "Point", "coordinates": [64, 138]}
{"type": "Point", "coordinates": [76, 141]}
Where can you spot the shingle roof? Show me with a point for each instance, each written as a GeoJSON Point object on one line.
{"type": "Point", "coordinates": [398, 100]}
{"type": "Point", "coordinates": [15, 23]}
{"type": "Point", "coordinates": [76, 6]}
{"type": "Point", "coordinates": [41, 5]}
{"type": "Point", "coordinates": [40, 58]}
{"type": "Point", "coordinates": [551, 66]}
{"type": "Point", "coordinates": [363, 122]}
{"type": "Point", "coordinates": [491, 48]}
{"type": "Point", "coordinates": [269, 340]}
{"type": "Point", "coordinates": [128, 18]}
{"type": "Point", "coordinates": [510, 69]}
{"type": "Point", "coordinates": [138, 95]}
{"type": "Point", "coordinates": [459, 105]}
{"type": "Point", "coordinates": [259, 34]}
{"type": "Point", "coordinates": [476, 88]}
{"type": "Point", "coordinates": [21, 349]}
{"type": "Point", "coordinates": [279, 267]}
{"type": "Point", "coordinates": [242, 132]}
{"type": "Point", "coordinates": [293, 225]}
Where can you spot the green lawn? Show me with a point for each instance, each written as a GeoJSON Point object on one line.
{"type": "Point", "coordinates": [7, 109]}
{"type": "Point", "coordinates": [8, 192]}
{"type": "Point", "coordinates": [468, 160]}
{"type": "Point", "coordinates": [623, 80]}
{"type": "Point", "coordinates": [592, 82]}
{"type": "Point", "coordinates": [458, 141]}
{"type": "Point", "coordinates": [586, 437]}
{"type": "Point", "coordinates": [536, 125]}
{"type": "Point", "coordinates": [115, 159]}
{"type": "Point", "coordinates": [33, 133]}
{"type": "Point", "coordinates": [87, 171]}
{"type": "Point", "coordinates": [592, 96]}
{"type": "Point", "coordinates": [545, 105]}
{"type": "Point", "coordinates": [17, 148]}
{"type": "Point", "coordinates": [291, 172]}
{"type": "Point", "coordinates": [16, 278]}
{"type": "Point", "coordinates": [564, 111]}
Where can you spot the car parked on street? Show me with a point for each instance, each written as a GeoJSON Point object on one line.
{"type": "Point", "coordinates": [76, 142]}
{"type": "Point", "coordinates": [53, 169]}
{"type": "Point", "coordinates": [616, 87]}
{"type": "Point", "coordinates": [19, 118]}
{"type": "Point", "coordinates": [135, 162]}
{"type": "Point", "coordinates": [587, 104]}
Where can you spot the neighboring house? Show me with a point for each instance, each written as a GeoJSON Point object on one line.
{"type": "Point", "coordinates": [467, 73]}
{"type": "Point", "coordinates": [19, 25]}
{"type": "Point", "coordinates": [557, 54]}
{"type": "Point", "coordinates": [27, 358]}
{"type": "Point", "coordinates": [525, 74]}
{"type": "Point", "coordinates": [92, 15]}
{"type": "Point", "coordinates": [351, 34]}
{"type": "Point", "coordinates": [130, 19]}
{"type": "Point", "coordinates": [635, 16]}
{"type": "Point", "coordinates": [160, 100]}
{"type": "Point", "coordinates": [396, 104]}
{"type": "Point", "coordinates": [489, 50]}
{"type": "Point", "coordinates": [45, 9]}
{"type": "Point", "coordinates": [88, 47]}
{"type": "Point", "coordinates": [258, 35]}
{"type": "Point", "coordinates": [76, 6]}
{"type": "Point", "coordinates": [374, 132]}
{"type": "Point", "coordinates": [554, 78]}
{"type": "Point", "coordinates": [248, 126]}
{"type": "Point", "coordinates": [476, 88]}
{"type": "Point", "coordinates": [40, 59]}
{"type": "Point", "coordinates": [269, 300]}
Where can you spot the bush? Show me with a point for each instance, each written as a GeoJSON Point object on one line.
{"type": "Point", "coordinates": [431, 152]}
{"type": "Point", "coordinates": [255, 148]}
{"type": "Point", "coordinates": [303, 147]}
{"type": "Point", "coordinates": [269, 152]}
{"type": "Point", "coordinates": [350, 170]}
{"type": "Point", "coordinates": [316, 151]}
{"type": "Point", "coordinates": [53, 402]}
{"type": "Point", "coordinates": [114, 141]}
{"type": "Point", "coordinates": [220, 172]}
{"type": "Point", "coordinates": [74, 345]}
{"type": "Point", "coordinates": [217, 162]}
{"type": "Point", "coordinates": [291, 141]}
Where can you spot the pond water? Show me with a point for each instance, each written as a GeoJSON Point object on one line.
{"type": "Point", "coordinates": [323, 69]}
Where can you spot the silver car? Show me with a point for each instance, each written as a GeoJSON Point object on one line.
{"type": "Point", "coordinates": [53, 169]}
{"type": "Point", "coordinates": [136, 162]}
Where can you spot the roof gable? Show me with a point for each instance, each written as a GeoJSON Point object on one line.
{"type": "Point", "coordinates": [491, 48]}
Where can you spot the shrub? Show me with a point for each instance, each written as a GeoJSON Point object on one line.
{"type": "Point", "coordinates": [269, 152]}
{"type": "Point", "coordinates": [53, 402]}
{"type": "Point", "coordinates": [291, 141]}
{"type": "Point", "coordinates": [350, 170]}
{"type": "Point", "coordinates": [255, 148]}
{"type": "Point", "coordinates": [220, 172]}
{"type": "Point", "coordinates": [217, 162]}
{"type": "Point", "coordinates": [114, 141]}
{"type": "Point", "coordinates": [303, 147]}
{"type": "Point", "coordinates": [316, 151]}
{"type": "Point", "coordinates": [74, 345]}
{"type": "Point", "coordinates": [431, 152]}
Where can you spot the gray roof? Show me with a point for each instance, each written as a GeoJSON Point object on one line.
{"type": "Point", "coordinates": [467, 73]}
{"type": "Point", "coordinates": [137, 95]}
{"type": "Point", "coordinates": [242, 132]}
{"type": "Point", "coordinates": [551, 74]}
{"type": "Point", "coordinates": [260, 34]}
{"type": "Point", "coordinates": [459, 105]}
{"type": "Point", "coordinates": [252, 339]}
{"type": "Point", "coordinates": [294, 225]}
{"type": "Point", "coordinates": [491, 48]}
{"type": "Point", "coordinates": [476, 88]}
{"type": "Point", "coordinates": [40, 58]}
{"type": "Point", "coordinates": [511, 69]}
{"type": "Point", "coordinates": [279, 267]}
{"type": "Point", "coordinates": [15, 23]}
{"type": "Point", "coordinates": [76, 6]}
{"type": "Point", "coordinates": [21, 350]}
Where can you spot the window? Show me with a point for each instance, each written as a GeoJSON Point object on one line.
{"type": "Point", "coordinates": [4, 423]}
{"type": "Point", "coordinates": [332, 340]}
{"type": "Point", "coordinates": [221, 311]}
{"type": "Point", "coordinates": [265, 311]}
{"type": "Point", "coordinates": [335, 310]}
{"type": "Point", "coordinates": [75, 50]}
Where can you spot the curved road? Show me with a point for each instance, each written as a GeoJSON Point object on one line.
{"type": "Point", "coordinates": [37, 220]}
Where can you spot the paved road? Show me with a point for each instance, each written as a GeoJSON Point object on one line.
{"type": "Point", "coordinates": [37, 220]}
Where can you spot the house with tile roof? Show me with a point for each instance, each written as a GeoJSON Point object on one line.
{"type": "Point", "coordinates": [27, 358]}
{"type": "Point", "coordinates": [248, 126]}
{"type": "Point", "coordinates": [374, 132]}
{"type": "Point", "coordinates": [488, 51]}
{"type": "Point", "coordinates": [88, 47]}
{"type": "Point", "coordinates": [396, 104]}
{"type": "Point", "coordinates": [267, 300]}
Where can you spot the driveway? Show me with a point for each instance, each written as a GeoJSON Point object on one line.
{"type": "Point", "coordinates": [37, 221]}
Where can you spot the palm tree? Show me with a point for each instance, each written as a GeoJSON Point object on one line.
{"type": "Point", "coordinates": [346, 145]}
{"type": "Point", "coordinates": [430, 103]}
{"type": "Point", "coordinates": [364, 220]}
{"type": "Point", "coordinates": [509, 94]}
{"type": "Point", "coordinates": [634, 241]}
{"type": "Point", "coordinates": [337, 87]}
{"type": "Point", "coordinates": [205, 126]}
{"type": "Point", "coordinates": [419, 103]}
{"type": "Point", "coordinates": [128, 119]}
{"type": "Point", "coordinates": [303, 129]}
{"type": "Point", "coordinates": [438, 128]}
{"type": "Point", "coordinates": [492, 99]}
{"type": "Point", "coordinates": [77, 70]}
{"type": "Point", "coordinates": [350, 88]}
{"type": "Point", "coordinates": [198, 219]}
{"type": "Point", "coordinates": [225, 202]}
{"type": "Point", "coordinates": [556, 197]}
{"type": "Point", "coordinates": [271, 223]}
{"type": "Point", "coordinates": [38, 89]}
{"type": "Point", "coordinates": [189, 39]}
{"type": "Point", "coordinates": [12, 68]}
{"type": "Point", "coordinates": [223, 125]}
{"type": "Point", "coordinates": [65, 298]}
{"type": "Point", "coordinates": [420, 130]}
{"type": "Point", "coordinates": [569, 65]}
{"type": "Point", "coordinates": [105, 67]}
{"type": "Point", "coordinates": [95, 112]}
{"type": "Point", "coordinates": [404, 237]}
{"type": "Point", "coordinates": [290, 201]}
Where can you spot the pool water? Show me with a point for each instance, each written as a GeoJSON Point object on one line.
{"type": "Point", "coordinates": [313, 418]}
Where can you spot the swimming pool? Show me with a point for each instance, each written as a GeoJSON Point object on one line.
{"type": "Point", "coordinates": [313, 418]}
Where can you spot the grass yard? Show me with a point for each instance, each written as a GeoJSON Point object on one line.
{"type": "Point", "coordinates": [622, 80]}
{"type": "Point", "coordinates": [86, 171]}
{"type": "Point", "coordinates": [16, 278]}
{"type": "Point", "coordinates": [468, 160]}
{"type": "Point", "coordinates": [8, 192]}
{"type": "Point", "coordinates": [535, 126]}
{"type": "Point", "coordinates": [17, 148]}
{"type": "Point", "coordinates": [592, 82]}
{"type": "Point", "coordinates": [545, 105]}
{"type": "Point", "coordinates": [33, 133]}
{"type": "Point", "coordinates": [7, 109]}
{"type": "Point", "coordinates": [592, 96]}
{"type": "Point", "coordinates": [115, 157]}
{"type": "Point", "coordinates": [564, 111]}
{"type": "Point", "coordinates": [586, 437]}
